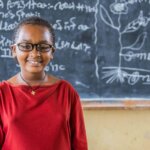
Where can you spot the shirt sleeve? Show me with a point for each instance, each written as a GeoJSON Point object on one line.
{"type": "Point", "coordinates": [78, 132]}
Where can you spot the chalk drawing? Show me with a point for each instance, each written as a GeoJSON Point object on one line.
{"type": "Point", "coordinates": [120, 73]}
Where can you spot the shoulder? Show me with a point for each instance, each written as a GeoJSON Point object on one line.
{"type": "Point", "coordinates": [4, 85]}
{"type": "Point", "coordinates": [67, 85]}
{"type": "Point", "coordinates": [67, 88]}
{"type": "Point", "coordinates": [62, 83]}
{"type": "Point", "coordinates": [51, 80]}
{"type": "Point", "coordinates": [13, 80]}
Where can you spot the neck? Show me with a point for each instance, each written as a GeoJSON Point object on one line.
{"type": "Point", "coordinates": [33, 76]}
{"type": "Point", "coordinates": [33, 79]}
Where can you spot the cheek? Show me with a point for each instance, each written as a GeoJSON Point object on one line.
{"type": "Point", "coordinates": [49, 56]}
{"type": "Point", "coordinates": [20, 57]}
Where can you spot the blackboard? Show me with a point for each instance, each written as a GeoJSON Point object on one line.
{"type": "Point", "coordinates": [102, 47]}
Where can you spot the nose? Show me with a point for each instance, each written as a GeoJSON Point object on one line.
{"type": "Point", "coordinates": [35, 52]}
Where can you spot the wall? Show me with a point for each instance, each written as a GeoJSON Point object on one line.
{"type": "Point", "coordinates": [118, 129]}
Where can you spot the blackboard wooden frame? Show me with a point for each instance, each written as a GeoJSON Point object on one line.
{"type": "Point", "coordinates": [122, 104]}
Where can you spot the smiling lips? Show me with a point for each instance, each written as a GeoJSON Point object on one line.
{"type": "Point", "coordinates": [35, 63]}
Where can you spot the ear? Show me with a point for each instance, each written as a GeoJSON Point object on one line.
{"type": "Point", "coordinates": [13, 50]}
{"type": "Point", "coordinates": [53, 49]}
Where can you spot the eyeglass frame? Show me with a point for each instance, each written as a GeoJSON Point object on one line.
{"type": "Point", "coordinates": [36, 46]}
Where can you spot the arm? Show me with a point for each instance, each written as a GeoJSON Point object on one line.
{"type": "Point", "coordinates": [78, 133]}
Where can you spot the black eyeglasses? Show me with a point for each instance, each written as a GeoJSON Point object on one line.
{"type": "Point", "coordinates": [42, 47]}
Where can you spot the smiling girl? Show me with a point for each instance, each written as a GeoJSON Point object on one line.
{"type": "Point", "coordinates": [38, 111]}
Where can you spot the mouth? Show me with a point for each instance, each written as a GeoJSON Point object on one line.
{"type": "Point", "coordinates": [35, 63]}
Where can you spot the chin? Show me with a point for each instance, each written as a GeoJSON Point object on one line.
{"type": "Point", "coordinates": [35, 70]}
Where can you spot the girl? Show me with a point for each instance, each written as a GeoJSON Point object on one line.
{"type": "Point", "coordinates": [38, 111]}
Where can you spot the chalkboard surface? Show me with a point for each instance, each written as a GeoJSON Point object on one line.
{"type": "Point", "coordinates": [102, 47]}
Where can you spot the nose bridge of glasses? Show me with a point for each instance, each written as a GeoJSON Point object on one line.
{"type": "Point", "coordinates": [35, 50]}
{"type": "Point", "coordinates": [35, 47]}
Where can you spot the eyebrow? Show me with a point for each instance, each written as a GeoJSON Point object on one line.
{"type": "Point", "coordinates": [29, 41]}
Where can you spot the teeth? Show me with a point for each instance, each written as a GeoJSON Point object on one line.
{"type": "Point", "coordinates": [34, 62]}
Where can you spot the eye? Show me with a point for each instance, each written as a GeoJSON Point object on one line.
{"type": "Point", "coordinates": [25, 46]}
{"type": "Point", "coordinates": [44, 47]}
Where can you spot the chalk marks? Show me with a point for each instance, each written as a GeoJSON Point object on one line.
{"type": "Point", "coordinates": [81, 84]}
{"type": "Point", "coordinates": [96, 67]}
{"type": "Point", "coordinates": [32, 4]}
{"type": "Point", "coordinates": [123, 74]}
{"type": "Point", "coordinates": [106, 17]}
{"type": "Point", "coordinates": [133, 26]}
{"type": "Point", "coordinates": [127, 53]}
{"type": "Point", "coordinates": [139, 42]}
{"type": "Point", "coordinates": [69, 25]}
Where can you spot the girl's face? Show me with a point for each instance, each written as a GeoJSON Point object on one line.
{"type": "Point", "coordinates": [32, 61]}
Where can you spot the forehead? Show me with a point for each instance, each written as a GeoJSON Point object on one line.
{"type": "Point", "coordinates": [33, 33]}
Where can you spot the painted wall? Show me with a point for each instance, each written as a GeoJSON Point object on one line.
{"type": "Point", "coordinates": [118, 129]}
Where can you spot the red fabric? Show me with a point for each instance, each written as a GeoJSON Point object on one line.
{"type": "Point", "coordinates": [50, 120]}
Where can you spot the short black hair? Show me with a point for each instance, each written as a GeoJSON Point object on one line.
{"type": "Point", "coordinates": [34, 20]}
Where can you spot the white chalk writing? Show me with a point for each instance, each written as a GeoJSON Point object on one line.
{"type": "Point", "coordinates": [69, 25]}
{"type": "Point", "coordinates": [1, 4]}
{"type": "Point", "coordinates": [137, 1]}
{"type": "Point", "coordinates": [6, 26]}
{"type": "Point", "coordinates": [56, 67]}
{"type": "Point", "coordinates": [130, 55]}
{"type": "Point", "coordinates": [32, 4]}
{"type": "Point", "coordinates": [73, 45]}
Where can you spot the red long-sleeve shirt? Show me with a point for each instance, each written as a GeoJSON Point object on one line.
{"type": "Point", "coordinates": [52, 119]}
